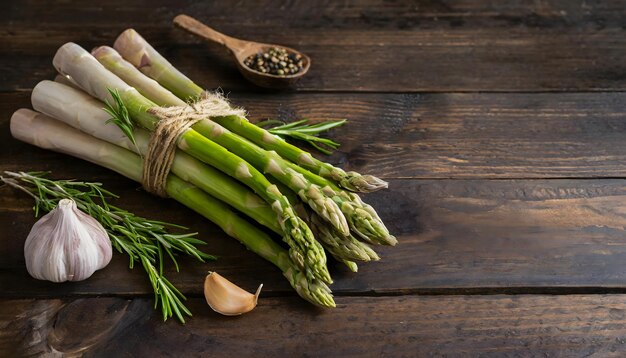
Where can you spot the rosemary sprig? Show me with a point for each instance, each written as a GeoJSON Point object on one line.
{"type": "Point", "coordinates": [141, 239]}
{"type": "Point", "coordinates": [119, 115]}
{"type": "Point", "coordinates": [306, 132]}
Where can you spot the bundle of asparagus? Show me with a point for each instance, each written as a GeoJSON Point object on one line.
{"type": "Point", "coordinates": [221, 164]}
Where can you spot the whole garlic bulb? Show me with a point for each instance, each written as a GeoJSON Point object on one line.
{"type": "Point", "coordinates": [66, 245]}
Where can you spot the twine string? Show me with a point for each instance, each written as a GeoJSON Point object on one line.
{"type": "Point", "coordinates": [173, 122]}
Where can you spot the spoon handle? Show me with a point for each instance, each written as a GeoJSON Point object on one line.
{"type": "Point", "coordinates": [197, 28]}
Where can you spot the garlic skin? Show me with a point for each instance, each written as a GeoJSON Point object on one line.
{"type": "Point", "coordinates": [227, 298]}
{"type": "Point", "coordinates": [66, 245]}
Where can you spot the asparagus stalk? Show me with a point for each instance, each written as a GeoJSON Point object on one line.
{"type": "Point", "coordinates": [270, 162]}
{"type": "Point", "coordinates": [142, 55]}
{"type": "Point", "coordinates": [281, 170]}
{"type": "Point", "coordinates": [362, 218]}
{"type": "Point", "coordinates": [83, 112]}
{"type": "Point", "coordinates": [148, 87]}
{"type": "Point", "coordinates": [45, 132]}
{"type": "Point", "coordinates": [72, 60]}
{"type": "Point", "coordinates": [350, 180]}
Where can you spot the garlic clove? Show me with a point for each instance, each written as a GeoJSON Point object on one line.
{"type": "Point", "coordinates": [227, 298]}
{"type": "Point", "coordinates": [66, 245]}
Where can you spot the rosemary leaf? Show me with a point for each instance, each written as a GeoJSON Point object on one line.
{"type": "Point", "coordinates": [119, 115]}
{"type": "Point", "coordinates": [305, 132]}
{"type": "Point", "coordinates": [141, 239]}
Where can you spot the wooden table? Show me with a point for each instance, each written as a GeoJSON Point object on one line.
{"type": "Point", "coordinates": [500, 127]}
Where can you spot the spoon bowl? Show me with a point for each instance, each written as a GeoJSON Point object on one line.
{"type": "Point", "coordinates": [241, 50]}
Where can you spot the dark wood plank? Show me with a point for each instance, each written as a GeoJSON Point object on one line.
{"type": "Point", "coordinates": [544, 225]}
{"type": "Point", "coordinates": [359, 45]}
{"type": "Point", "coordinates": [552, 135]}
{"type": "Point", "coordinates": [455, 235]}
{"type": "Point", "coordinates": [350, 14]}
{"type": "Point", "coordinates": [467, 135]}
{"type": "Point", "coordinates": [443, 326]}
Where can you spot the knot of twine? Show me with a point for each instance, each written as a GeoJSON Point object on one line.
{"type": "Point", "coordinates": [173, 122]}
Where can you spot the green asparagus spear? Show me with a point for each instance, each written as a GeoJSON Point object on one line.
{"type": "Point", "coordinates": [267, 161]}
{"type": "Point", "coordinates": [45, 132]}
{"type": "Point", "coordinates": [142, 55]}
{"type": "Point", "coordinates": [91, 76]}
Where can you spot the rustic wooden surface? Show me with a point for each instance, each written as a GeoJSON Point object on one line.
{"type": "Point", "coordinates": [407, 326]}
{"type": "Point", "coordinates": [500, 126]}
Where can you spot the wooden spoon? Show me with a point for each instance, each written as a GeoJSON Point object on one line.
{"type": "Point", "coordinates": [242, 49]}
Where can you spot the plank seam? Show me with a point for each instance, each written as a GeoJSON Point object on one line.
{"type": "Point", "coordinates": [431, 92]}
{"type": "Point", "coordinates": [467, 291]}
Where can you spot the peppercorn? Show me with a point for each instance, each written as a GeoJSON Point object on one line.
{"type": "Point", "coordinates": [275, 61]}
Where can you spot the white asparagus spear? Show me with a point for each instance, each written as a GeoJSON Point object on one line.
{"type": "Point", "coordinates": [81, 111]}
{"type": "Point", "coordinates": [148, 87]}
{"type": "Point", "coordinates": [48, 133]}
{"type": "Point", "coordinates": [71, 59]}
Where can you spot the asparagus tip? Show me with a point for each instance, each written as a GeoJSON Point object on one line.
{"type": "Point", "coordinates": [341, 247]}
{"type": "Point", "coordinates": [313, 291]}
{"type": "Point", "coordinates": [363, 183]}
{"type": "Point", "coordinates": [373, 256]}
{"type": "Point", "coordinates": [352, 266]}
{"type": "Point", "coordinates": [305, 251]}
{"type": "Point", "coordinates": [391, 240]}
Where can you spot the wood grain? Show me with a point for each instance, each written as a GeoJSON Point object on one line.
{"type": "Point", "coordinates": [442, 326]}
{"type": "Point", "coordinates": [350, 14]}
{"type": "Point", "coordinates": [454, 236]}
{"type": "Point", "coordinates": [434, 46]}
{"type": "Point", "coordinates": [500, 126]}
{"type": "Point", "coordinates": [442, 136]}
{"type": "Point", "coordinates": [467, 135]}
